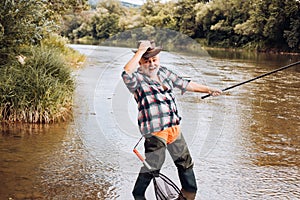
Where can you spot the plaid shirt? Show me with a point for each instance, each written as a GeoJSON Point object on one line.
{"type": "Point", "coordinates": [156, 104]}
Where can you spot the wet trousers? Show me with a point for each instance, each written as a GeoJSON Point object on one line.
{"type": "Point", "coordinates": [155, 152]}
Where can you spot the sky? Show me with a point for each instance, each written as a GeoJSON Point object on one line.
{"type": "Point", "coordinates": [139, 2]}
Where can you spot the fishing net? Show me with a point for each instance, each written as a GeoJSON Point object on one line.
{"type": "Point", "coordinates": [164, 188]}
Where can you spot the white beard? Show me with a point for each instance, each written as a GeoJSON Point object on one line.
{"type": "Point", "coordinates": [150, 71]}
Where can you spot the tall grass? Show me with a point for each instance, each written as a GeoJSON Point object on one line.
{"type": "Point", "coordinates": [40, 91]}
{"type": "Point", "coordinates": [72, 57]}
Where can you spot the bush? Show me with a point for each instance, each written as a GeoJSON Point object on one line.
{"type": "Point", "coordinates": [41, 90]}
{"type": "Point", "coordinates": [21, 23]}
{"type": "Point", "coordinates": [72, 57]}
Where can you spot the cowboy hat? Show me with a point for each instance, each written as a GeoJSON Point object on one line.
{"type": "Point", "coordinates": [151, 51]}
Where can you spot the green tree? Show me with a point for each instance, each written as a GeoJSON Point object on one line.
{"type": "Point", "coordinates": [21, 23]}
{"type": "Point", "coordinates": [105, 25]}
{"type": "Point", "coordinates": [106, 22]}
{"type": "Point", "coordinates": [132, 18]}
{"type": "Point", "coordinates": [25, 23]}
{"type": "Point", "coordinates": [158, 14]}
{"type": "Point", "coordinates": [60, 8]}
{"type": "Point", "coordinates": [150, 8]}
{"type": "Point", "coordinates": [275, 21]}
{"type": "Point", "coordinates": [38, 88]}
{"type": "Point", "coordinates": [292, 32]}
{"type": "Point", "coordinates": [185, 16]}
{"type": "Point", "coordinates": [217, 18]}
{"type": "Point", "coordinates": [111, 7]}
{"type": "Point", "coordinates": [270, 22]}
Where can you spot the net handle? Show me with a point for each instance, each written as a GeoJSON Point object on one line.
{"type": "Point", "coordinates": [146, 164]}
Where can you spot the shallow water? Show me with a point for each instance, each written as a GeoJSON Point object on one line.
{"type": "Point", "coordinates": [245, 143]}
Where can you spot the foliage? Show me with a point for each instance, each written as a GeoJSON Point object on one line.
{"type": "Point", "coordinates": [255, 24]}
{"type": "Point", "coordinates": [39, 90]}
{"type": "Point", "coordinates": [292, 32]}
{"type": "Point", "coordinates": [70, 23]}
{"type": "Point", "coordinates": [28, 26]}
{"type": "Point", "coordinates": [105, 25]}
{"type": "Point", "coordinates": [110, 6]}
{"type": "Point", "coordinates": [106, 22]}
{"type": "Point", "coordinates": [59, 8]}
{"type": "Point", "coordinates": [218, 19]}
{"type": "Point", "coordinates": [99, 24]}
{"type": "Point", "coordinates": [236, 23]}
{"type": "Point", "coordinates": [185, 16]}
{"type": "Point", "coordinates": [157, 14]}
{"type": "Point", "coordinates": [73, 58]}
{"type": "Point", "coordinates": [35, 78]}
{"type": "Point", "coordinates": [25, 23]}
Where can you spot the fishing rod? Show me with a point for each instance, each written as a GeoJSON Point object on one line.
{"type": "Point", "coordinates": [255, 78]}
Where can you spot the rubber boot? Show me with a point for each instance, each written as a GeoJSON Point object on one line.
{"type": "Point", "coordinates": [188, 195]}
{"type": "Point", "coordinates": [141, 185]}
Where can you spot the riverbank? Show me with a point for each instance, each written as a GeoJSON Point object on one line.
{"type": "Point", "coordinates": [266, 51]}
{"type": "Point", "coordinates": [199, 43]}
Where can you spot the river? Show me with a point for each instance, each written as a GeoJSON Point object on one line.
{"type": "Point", "coordinates": [245, 143]}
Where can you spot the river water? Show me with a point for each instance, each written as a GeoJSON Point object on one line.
{"type": "Point", "coordinates": [245, 143]}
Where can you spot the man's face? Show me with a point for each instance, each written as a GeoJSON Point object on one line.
{"type": "Point", "coordinates": [150, 66]}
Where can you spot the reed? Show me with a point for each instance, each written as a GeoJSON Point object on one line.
{"type": "Point", "coordinates": [39, 91]}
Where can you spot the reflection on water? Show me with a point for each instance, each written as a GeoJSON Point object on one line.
{"type": "Point", "coordinates": [264, 59]}
{"type": "Point", "coordinates": [50, 162]}
{"type": "Point", "coordinates": [277, 120]}
{"type": "Point", "coordinates": [23, 148]}
{"type": "Point", "coordinates": [245, 144]}
{"type": "Point", "coordinates": [257, 152]}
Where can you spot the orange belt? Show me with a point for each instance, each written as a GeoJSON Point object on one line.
{"type": "Point", "coordinates": [169, 134]}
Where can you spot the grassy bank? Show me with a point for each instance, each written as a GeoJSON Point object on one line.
{"type": "Point", "coordinates": [39, 87]}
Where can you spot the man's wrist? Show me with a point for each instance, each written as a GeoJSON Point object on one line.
{"type": "Point", "coordinates": [209, 90]}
